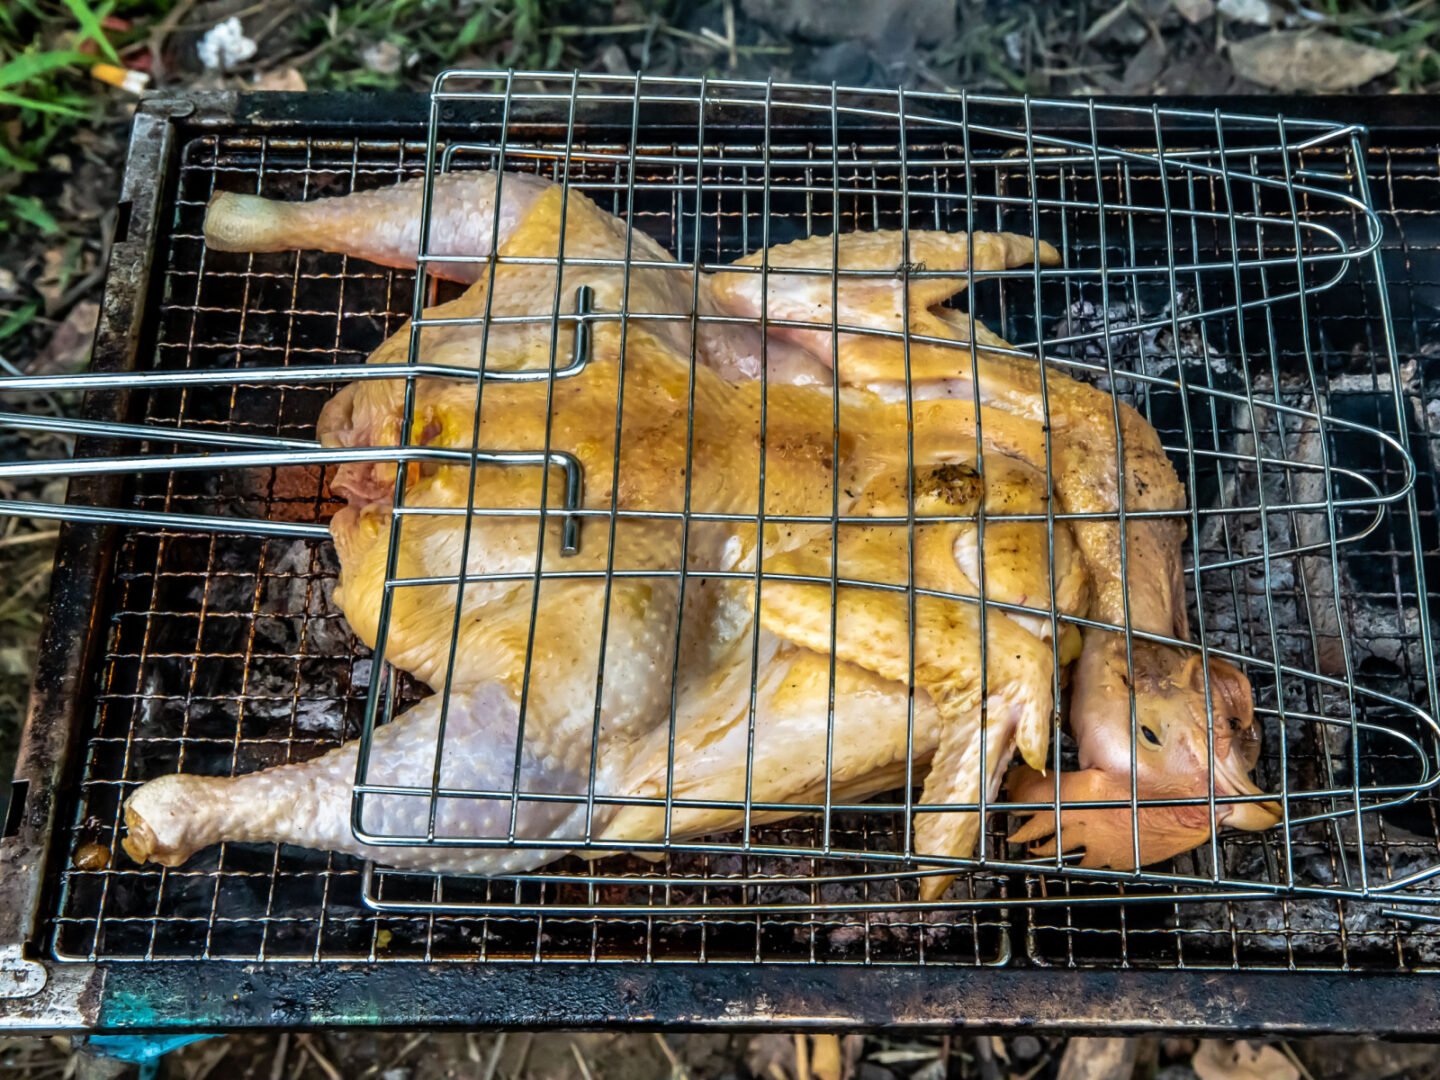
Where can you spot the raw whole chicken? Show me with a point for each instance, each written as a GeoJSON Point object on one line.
{"type": "Point", "coordinates": [589, 736]}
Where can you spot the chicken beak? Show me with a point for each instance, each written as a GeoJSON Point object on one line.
{"type": "Point", "coordinates": [1252, 817]}
{"type": "Point", "coordinates": [1247, 816]}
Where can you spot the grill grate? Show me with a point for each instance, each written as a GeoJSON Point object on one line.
{"type": "Point", "coordinates": [1379, 600]}
{"type": "Point", "coordinates": [192, 616]}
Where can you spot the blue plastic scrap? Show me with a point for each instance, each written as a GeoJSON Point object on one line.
{"type": "Point", "coordinates": [137, 1049]}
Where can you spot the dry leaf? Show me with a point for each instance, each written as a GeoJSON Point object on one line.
{"type": "Point", "coordinates": [1217, 1060]}
{"type": "Point", "coordinates": [771, 1056]}
{"type": "Point", "coordinates": [1290, 60]}
{"type": "Point", "coordinates": [1144, 67]}
{"type": "Point", "coordinates": [1178, 1047]}
{"type": "Point", "coordinates": [1254, 12]}
{"type": "Point", "coordinates": [1194, 11]}
{"type": "Point", "coordinates": [69, 347]}
{"type": "Point", "coordinates": [286, 78]}
{"type": "Point", "coordinates": [382, 57]}
{"type": "Point", "coordinates": [1107, 1058]}
{"type": "Point", "coordinates": [55, 275]}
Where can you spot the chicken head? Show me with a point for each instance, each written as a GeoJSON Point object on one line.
{"type": "Point", "coordinates": [1171, 750]}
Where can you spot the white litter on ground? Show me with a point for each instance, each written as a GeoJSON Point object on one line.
{"type": "Point", "coordinates": [225, 45]}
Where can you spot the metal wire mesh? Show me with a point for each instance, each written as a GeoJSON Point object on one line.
{"type": "Point", "coordinates": [1122, 219]}
{"type": "Point", "coordinates": [1379, 600]}
{"type": "Point", "coordinates": [226, 653]}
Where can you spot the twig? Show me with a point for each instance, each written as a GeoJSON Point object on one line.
{"type": "Point", "coordinates": [599, 31]}
{"type": "Point", "coordinates": [282, 1051]}
{"type": "Point", "coordinates": [985, 1054]}
{"type": "Point", "coordinates": [301, 59]}
{"type": "Point", "coordinates": [730, 33]}
{"type": "Point", "coordinates": [56, 409]}
{"type": "Point", "coordinates": [326, 1065]}
{"type": "Point", "coordinates": [492, 1060]}
{"type": "Point", "coordinates": [715, 42]}
{"type": "Point", "coordinates": [1080, 70]}
{"type": "Point", "coordinates": [934, 80]}
{"type": "Point", "coordinates": [243, 13]}
{"type": "Point", "coordinates": [155, 41]}
{"type": "Point", "coordinates": [266, 29]}
{"type": "Point", "coordinates": [18, 539]}
{"type": "Point", "coordinates": [1289, 1053]}
{"type": "Point", "coordinates": [524, 1056]}
{"type": "Point", "coordinates": [580, 1060]}
{"type": "Point", "coordinates": [1104, 22]}
{"type": "Point", "coordinates": [405, 1051]}
{"type": "Point", "coordinates": [25, 590]}
{"type": "Point", "coordinates": [677, 1070]}
{"type": "Point", "coordinates": [222, 1051]}
{"type": "Point", "coordinates": [67, 299]}
{"type": "Point", "coordinates": [802, 1058]}
{"type": "Point", "coordinates": [1318, 17]}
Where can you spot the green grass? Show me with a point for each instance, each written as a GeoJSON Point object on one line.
{"type": "Point", "coordinates": [520, 33]}
{"type": "Point", "coordinates": [1411, 30]}
{"type": "Point", "coordinates": [44, 88]}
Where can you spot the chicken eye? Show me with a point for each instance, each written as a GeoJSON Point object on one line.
{"type": "Point", "coordinates": [1150, 736]}
{"type": "Point", "coordinates": [1234, 722]}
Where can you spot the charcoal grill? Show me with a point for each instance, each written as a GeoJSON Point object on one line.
{"type": "Point", "coordinates": [1313, 356]}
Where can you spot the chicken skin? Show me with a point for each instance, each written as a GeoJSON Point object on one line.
{"type": "Point", "coordinates": [566, 726]}
{"type": "Point", "coordinates": [557, 693]}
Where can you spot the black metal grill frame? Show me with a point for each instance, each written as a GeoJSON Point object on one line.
{"type": "Point", "coordinates": [215, 993]}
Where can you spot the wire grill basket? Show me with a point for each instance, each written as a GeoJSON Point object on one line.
{"type": "Point", "coordinates": [1198, 261]}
